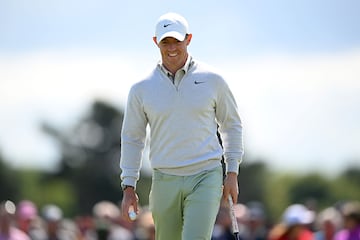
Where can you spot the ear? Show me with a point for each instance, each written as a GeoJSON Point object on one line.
{"type": "Point", "coordinates": [155, 41]}
{"type": "Point", "coordinates": [188, 39]}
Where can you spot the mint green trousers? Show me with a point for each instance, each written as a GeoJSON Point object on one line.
{"type": "Point", "coordinates": [185, 207]}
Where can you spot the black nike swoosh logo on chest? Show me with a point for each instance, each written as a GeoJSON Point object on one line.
{"type": "Point", "coordinates": [198, 82]}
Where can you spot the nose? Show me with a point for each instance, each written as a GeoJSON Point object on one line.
{"type": "Point", "coordinates": [172, 46]}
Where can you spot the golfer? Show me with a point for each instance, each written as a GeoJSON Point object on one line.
{"type": "Point", "coordinates": [184, 102]}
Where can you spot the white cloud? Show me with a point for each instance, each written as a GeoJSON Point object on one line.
{"type": "Point", "coordinates": [56, 75]}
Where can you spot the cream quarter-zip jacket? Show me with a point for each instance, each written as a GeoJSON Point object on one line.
{"type": "Point", "coordinates": [183, 123]}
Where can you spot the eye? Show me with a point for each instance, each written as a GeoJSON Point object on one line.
{"type": "Point", "coordinates": [164, 42]}
{"type": "Point", "coordinates": [168, 41]}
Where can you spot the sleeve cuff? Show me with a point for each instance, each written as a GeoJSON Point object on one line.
{"type": "Point", "coordinates": [129, 181]}
{"type": "Point", "coordinates": [233, 166]}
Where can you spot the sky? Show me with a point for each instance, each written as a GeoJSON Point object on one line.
{"type": "Point", "coordinates": [293, 66]}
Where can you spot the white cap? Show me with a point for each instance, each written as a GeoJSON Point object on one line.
{"type": "Point", "coordinates": [52, 212]}
{"type": "Point", "coordinates": [171, 25]}
{"type": "Point", "coordinates": [106, 209]}
{"type": "Point", "coordinates": [256, 211]}
{"type": "Point", "coordinates": [297, 214]}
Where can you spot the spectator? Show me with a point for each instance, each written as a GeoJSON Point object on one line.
{"type": "Point", "coordinates": [57, 228]}
{"type": "Point", "coordinates": [29, 221]}
{"type": "Point", "coordinates": [242, 217]}
{"type": "Point", "coordinates": [328, 222]}
{"type": "Point", "coordinates": [223, 227]}
{"type": "Point", "coordinates": [294, 225]}
{"type": "Point", "coordinates": [256, 226]}
{"type": "Point", "coordinates": [106, 222]}
{"type": "Point", "coordinates": [86, 227]}
{"type": "Point", "coordinates": [7, 229]}
{"type": "Point", "coordinates": [144, 225]}
{"type": "Point", "coordinates": [26, 212]}
{"type": "Point", "coordinates": [351, 216]}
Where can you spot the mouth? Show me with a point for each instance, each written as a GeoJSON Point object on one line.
{"type": "Point", "coordinates": [172, 54]}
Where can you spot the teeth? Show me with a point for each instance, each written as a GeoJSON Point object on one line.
{"type": "Point", "coordinates": [172, 54]}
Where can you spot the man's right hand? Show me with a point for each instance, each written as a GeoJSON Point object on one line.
{"type": "Point", "coordinates": [130, 199]}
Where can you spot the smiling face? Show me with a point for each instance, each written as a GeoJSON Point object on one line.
{"type": "Point", "coordinates": [173, 52]}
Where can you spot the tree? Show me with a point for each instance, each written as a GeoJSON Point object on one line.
{"type": "Point", "coordinates": [90, 154]}
{"type": "Point", "coordinates": [352, 174]}
{"type": "Point", "coordinates": [312, 189]}
{"type": "Point", "coordinates": [9, 189]}
{"type": "Point", "coordinates": [252, 181]}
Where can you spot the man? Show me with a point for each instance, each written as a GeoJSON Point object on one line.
{"type": "Point", "coordinates": [185, 103]}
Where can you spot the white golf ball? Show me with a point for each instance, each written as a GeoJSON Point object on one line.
{"type": "Point", "coordinates": [132, 215]}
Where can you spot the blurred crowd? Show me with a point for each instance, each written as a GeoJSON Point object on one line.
{"type": "Point", "coordinates": [298, 222]}
{"type": "Point", "coordinates": [25, 221]}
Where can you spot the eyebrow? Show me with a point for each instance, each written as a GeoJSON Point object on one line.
{"type": "Point", "coordinates": [167, 40]}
